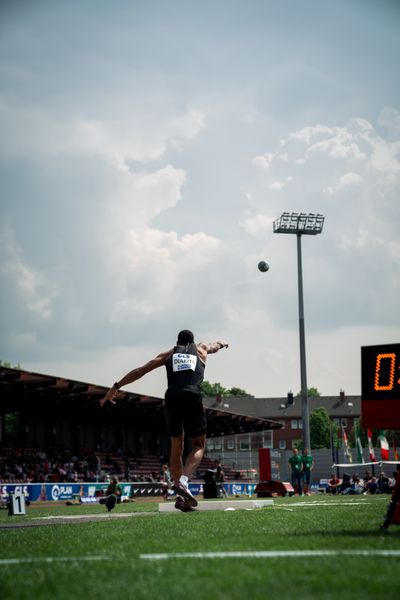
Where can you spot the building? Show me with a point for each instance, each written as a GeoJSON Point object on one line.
{"type": "Point", "coordinates": [342, 409]}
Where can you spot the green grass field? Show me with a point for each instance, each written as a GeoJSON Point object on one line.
{"type": "Point", "coordinates": [105, 559]}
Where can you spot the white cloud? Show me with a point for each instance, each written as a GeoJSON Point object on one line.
{"type": "Point", "coordinates": [389, 118]}
{"type": "Point", "coordinates": [277, 185]}
{"type": "Point", "coordinates": [345, 181]}
{"type": "Point", "coordinates": [264, 161]}
{"type": "Point", "coordinates": [31, 131]}
{"type": "Point", "coordinates": [338, 146]}
{"type": "Point", "coordinates": [384, 156]}
{"type": "Point", "coordinates": [306, 134]}
{"type": "Point", "coordinates": [186, 127]}
{"type": "Point", "coordinates": [356, 145]}
{"type": "Point", "coordinates": [157, 264]}
{"type": "Point", "coordinates": [256, 223]}
{"type": "Point", "coordinates": [147, 193]}
{"type": "Point", "coordinates": [34, 290]}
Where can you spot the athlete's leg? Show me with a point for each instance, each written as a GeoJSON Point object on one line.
{"type": "Point", "coordinates": [176, 457]}
{"type": "Point", "coordinates": [179, 476]}
{"type": "Point", "coordinates": [196, 454]}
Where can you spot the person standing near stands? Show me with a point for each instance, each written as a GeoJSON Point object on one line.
{"type": "Point", "coordinates": [166, 481]}
{"type": "Point", "coordinates": [308, 465]}
{"type": "Point", "coordinates": [296, 465]}
{"type": "Point", "coordinates": [220, 477]}
{"type": "Point", "coordinates": [185, 364]}
{"type": "Point", "coordinates": [113, 493]}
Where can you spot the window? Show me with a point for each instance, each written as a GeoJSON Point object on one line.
{"type": "Point", "coordinates": [343, 422]}
{"type": "Point", "coordinates": [300, 424]}
{"type": "Point", "coordinates": [293, 423]}
{"type": "Point", "coordinates": [217, 444]}
{"type": "Point", "coordinates": [282, 444]}
{"type": "Point", "coordinates": [244, 444]}
{"type": "Point", "coordinates": [230, 444]}
{"type": "Point", "coordinates": [210, 444]}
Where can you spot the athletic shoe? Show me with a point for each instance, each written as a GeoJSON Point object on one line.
{"type": "Point", "coordinates": [110, 502]}
{"type": "Point", "coordinates": [180, 504]}
{"type": "Point", "coordinates": [182, 490]}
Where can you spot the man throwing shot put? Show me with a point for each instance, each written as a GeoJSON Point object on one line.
{"type": "Point", "coordinates": [185, 364]}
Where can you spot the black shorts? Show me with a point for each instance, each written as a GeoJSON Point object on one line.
{"type": "Point", "coordinates": [185, 413]}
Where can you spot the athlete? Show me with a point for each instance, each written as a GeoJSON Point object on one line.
{"type": "Point", "coordinates": [185, 364]}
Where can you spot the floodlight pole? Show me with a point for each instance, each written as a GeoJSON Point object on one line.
{"type": "Point", "coordinates": [301, 224]}
{"type": "Point", "coordinates": [305, 413]}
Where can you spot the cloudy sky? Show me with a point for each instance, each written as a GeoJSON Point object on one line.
{"type": "Point", "coordinates": [146, 149]}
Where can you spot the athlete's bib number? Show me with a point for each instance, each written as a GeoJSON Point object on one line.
{"type": "Point", "coordinates": [183, 362]}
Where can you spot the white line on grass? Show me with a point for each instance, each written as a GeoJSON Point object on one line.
{"type": "Point", "coordinates": [270, 554]}
{"type": "Point", "coordinates": [50, 559]}
{"type": "Point", "coordinates": [351, 503]}
{"type": "Point", "coordinates": [83, 517]}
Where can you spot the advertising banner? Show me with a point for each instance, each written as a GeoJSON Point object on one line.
{"type": "Point", "coordinates": [52, 492]}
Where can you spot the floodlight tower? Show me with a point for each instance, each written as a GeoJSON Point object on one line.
{"type": "Point", "coordinates": [301, 224]}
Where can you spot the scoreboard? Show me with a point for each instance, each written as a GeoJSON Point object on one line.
{"type": "Point", "coordinates": [380, 386]}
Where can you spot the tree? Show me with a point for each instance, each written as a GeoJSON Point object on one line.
{"type": "Point", "coordinates": [235, 391]}
{"type": "Point", "coordinates": [216, 389]}
{"type": "Point", "coordinates": [213, 389]}
{"type": "Point", "coordinates": [312, 393]}
{"type": "Point", "coordinates": [320, 428]}
{"type": "Point", "coordinates": [8, 365]}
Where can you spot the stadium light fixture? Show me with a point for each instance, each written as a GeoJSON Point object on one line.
{"type": "Point", "coordinates": [301, 224]}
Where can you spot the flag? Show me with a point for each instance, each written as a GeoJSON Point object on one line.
{"type": "Point", "coordinates": [384, 446]}
{"type": "Point", "coordinates": [359, 450]}
{"type": "Point", "coordinates": [347, 452]}
{"type": "Point", "coordinates": [371, 446]}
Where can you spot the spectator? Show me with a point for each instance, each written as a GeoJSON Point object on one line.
{"type": "Point", "coordinates": [220, 476]}
{"type": "Point", "coordinates": [367, 476]}
{"type": "Point", "coordinates": [295, 464]}
{"type": "Point", "coordinates": [371, 487]}
{"type": "Point", "coordinates": [334, 484]}
{"type": "Point", "coordinates": [113, 494]}
{"type": "Point", "coordinates": [383, 484]}
{"type": "Point", "coordinates": [308, 465]}
{"type": "Point", "coordinates": [356, 486]}
{"type": "Point", "coordinates": [166, 481]}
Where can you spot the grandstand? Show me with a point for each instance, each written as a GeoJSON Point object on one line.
{"type": "Point", "coordinates": [53, 429]}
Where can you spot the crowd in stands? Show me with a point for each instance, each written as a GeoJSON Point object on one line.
{"type": "Point", "coordinates": [33, 465]}
{"type": "Point", "coordinates": [369, 484]}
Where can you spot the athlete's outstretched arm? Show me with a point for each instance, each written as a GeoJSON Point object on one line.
{"type": "Point", "coordinates": [210, 348]}
{"type": "Point", "coordinates": [213, 347]}
{"type": "Point", "coordinates": [136, 374]}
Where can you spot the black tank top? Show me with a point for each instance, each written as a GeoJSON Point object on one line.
{"type": "Point", "coordinates": [185, 370]}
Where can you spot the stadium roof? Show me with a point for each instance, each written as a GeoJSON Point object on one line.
{"type": "Point", "coordinates": [26, 391]}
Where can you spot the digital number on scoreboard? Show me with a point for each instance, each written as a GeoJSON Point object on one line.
{"type": "Point", "coordinates": [380, 385]}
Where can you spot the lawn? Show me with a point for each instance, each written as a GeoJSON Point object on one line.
{"type": "Point", "coordinates": [115, 558]}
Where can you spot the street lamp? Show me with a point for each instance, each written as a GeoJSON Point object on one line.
{"type": "Point", "coordinates": [301, 224]}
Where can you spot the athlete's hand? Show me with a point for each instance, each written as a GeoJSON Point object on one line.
{"type": "Point", "coordinates": [111, 394]}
